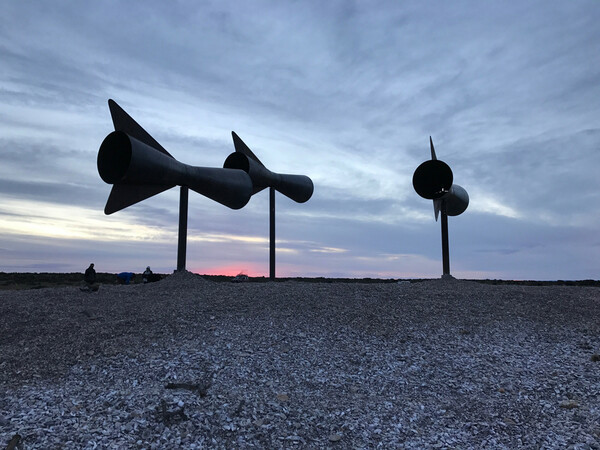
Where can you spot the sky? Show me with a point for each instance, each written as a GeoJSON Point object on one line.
{"type": "Point", "coordinates": [345, 92]}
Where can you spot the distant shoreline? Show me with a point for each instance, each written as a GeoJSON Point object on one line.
{"type": "Point", "coordinates": [38, 280]}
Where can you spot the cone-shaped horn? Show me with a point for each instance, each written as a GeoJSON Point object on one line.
{"type": "Point", "coordinates": [432, 179]}
{"type": "Point", "coordinates": [457, 200]}
{"type": "Point", "coordinates": [139, 170]}
{"type": "Point", "coordinates": [297, 187]}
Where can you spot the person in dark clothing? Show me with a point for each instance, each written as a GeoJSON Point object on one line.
{"type": "Point", "coordinates": [149, 276]}
{"type": "Point", "coordinates": [89, 278]}
{"type": "Point", "coordinates": [90, 275]}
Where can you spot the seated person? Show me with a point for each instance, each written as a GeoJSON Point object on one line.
{"type": "Point", "coordinates": [149, 276]}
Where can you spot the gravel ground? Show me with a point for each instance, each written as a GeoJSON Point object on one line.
{"type": "Point", "coordinates": [188, 363]}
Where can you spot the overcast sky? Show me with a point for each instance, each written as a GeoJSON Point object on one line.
{"type": "Point", "coordinates": [344, 92]}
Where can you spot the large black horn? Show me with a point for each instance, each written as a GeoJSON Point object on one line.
{"type": "Point", "coordinates": [457, 200]}
{"type": "Point", "coordinates": [133, 165]}
{"type": "Point", "coordinates": [432, 179]}
{"type": "Point", "coordinates": [297, 187]}
{"type": "Point", "coordinates": [139, 167]}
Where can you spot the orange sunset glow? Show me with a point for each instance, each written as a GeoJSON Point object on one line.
{"type": "Point", "coordinates": [231, 270]}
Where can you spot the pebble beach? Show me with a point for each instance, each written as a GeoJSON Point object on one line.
{"type": "Point", "coordinates": [191, 363]}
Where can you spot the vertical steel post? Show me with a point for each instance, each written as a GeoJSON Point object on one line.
{"type": "Point", "coordinates": [445, 246]}
{"type": "Point", "coordinates": [183, 216]}
{"type": "Point", "coordinates": [272, 233]}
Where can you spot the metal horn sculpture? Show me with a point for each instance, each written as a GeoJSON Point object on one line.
{"type": "Point", "coordinates": [297, 187]}
{"type": "Point", "coordinates": [138, 167]}
{"type": "Point", "coordinates": [433, 180]}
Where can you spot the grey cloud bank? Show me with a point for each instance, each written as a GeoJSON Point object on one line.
{"type": "Point", "coordinates": [347, 93]}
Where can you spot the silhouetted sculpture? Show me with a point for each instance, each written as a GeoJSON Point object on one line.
{"type": "Point", "coordinates": [297, 187]}
{"type": "Point", "coordinates": [138, 167]}
{"type": "Point", "coordinates": [433, 180]}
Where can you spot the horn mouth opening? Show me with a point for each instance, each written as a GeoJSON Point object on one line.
{"type": "Point", "coordinates": [432, 179]}
{"type": "Point", "coordinates": [237, 160]}
{"type": "Point", "coordinates": [114, 157]}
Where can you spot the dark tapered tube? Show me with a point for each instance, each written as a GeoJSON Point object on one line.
{"type": "Point", "coordinates": [297, 187]}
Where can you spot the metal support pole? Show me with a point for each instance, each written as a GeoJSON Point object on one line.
{"type": "Point", "coordinates": [272, 233]}
{"type": "Point", "coordinates": [183, 213]}
{"type": "Point", "coordinates": [445, 246]}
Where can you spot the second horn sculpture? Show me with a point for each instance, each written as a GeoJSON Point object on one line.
{"type": "Point", "coordinates": [296, 187]}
